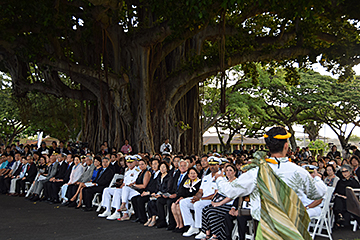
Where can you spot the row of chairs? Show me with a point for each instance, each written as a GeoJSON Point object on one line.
{"type": "Point", "coordinates": [323, 222]}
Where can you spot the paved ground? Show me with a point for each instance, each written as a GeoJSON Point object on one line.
{"type": "Point", "coordinates": [20, 219]}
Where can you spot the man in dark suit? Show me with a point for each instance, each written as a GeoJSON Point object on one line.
{"type": "Point", "coordinates": [175, 166]}
{"type": "Point", "coordinates": [63, 175]}
{"type": "Point", "coordinates": [29, 176]}
{"type": "Point", "coordinates": [101, 181]}
{"type": "Point", "coordinates": [114, 164]}
{"type": "Point", "coordinates": [179, 178]}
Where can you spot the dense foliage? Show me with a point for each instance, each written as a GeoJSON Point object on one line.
{"type": "Point", "coordinates": [136, 61]}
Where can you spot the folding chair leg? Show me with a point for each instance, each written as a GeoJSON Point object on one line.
{"type": "Point", "coordinates": [98, 208]}
{"type": "Point", "coordinates": [328, 229]}
{"type": "Point", "coordinates": [315, 228]}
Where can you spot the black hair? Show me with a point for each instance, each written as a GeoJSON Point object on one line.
{"type": "Point", "coordinates": [354, 157]}
{"type": "Point", "coordinates": [332, 167]}
{"type": "Point", "coordinates": [188, 171]}
{"type": "Point", "coordinates": [239, 161]}
{"type": "Point", "coordinates": [155, 159]}
{"type": "Point", "coordinates": [166, 159]}
{"type": "Point", "coordinates": [143, 160]}
{"type": "Point", "coordinates": [198, 162]}
{"type": "Point", "coordinates": [191, 160]}
{"type": "Point", "coordinates": [166, 164]}
{"type": "Point", "coordinates": [233, 167]}
{"type": "Point", "coordinates": [97, 158]}
{"type": "Point", "coordinates": [275, 145]}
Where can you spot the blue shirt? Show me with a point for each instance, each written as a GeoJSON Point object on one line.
{"type": "Point", "coordinates": [95, 173]}
{"type": "Point", "coordinates": [9, 165]}
{"type": "Point", "coordinates": [4, 164]}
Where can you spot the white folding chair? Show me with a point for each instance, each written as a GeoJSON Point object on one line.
{"type": "Point", "coordinates": [96, 200]}
{"type": "Point", "coordinates": [353, 204]}
{"type": "Point", "coordinates": [32, 185]}
{"type": "Point", "coordinates": [235, 232]}
{"type": "Point", "coordinates": [251, 234]}
{"type": "Point", "coordinates": [324, 217]}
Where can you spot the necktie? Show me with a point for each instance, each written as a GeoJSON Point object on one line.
{"type": "Point", "coordinates": [68, 167]}
{"type": "Point", "coordinates": [179, 181]}
{"type": "Point", "coordinates": [101, 173]}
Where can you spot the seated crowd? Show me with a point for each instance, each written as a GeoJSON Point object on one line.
{"type": "Point", "coordinates": [176, 192]}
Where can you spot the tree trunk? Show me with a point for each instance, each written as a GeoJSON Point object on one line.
{"type": "Point", "coordinates": [188, 110]}
{"type": "Point", "coordinates": [292, 138]}
{"type": "Point", "coordinates": [146, 134]}
{"type": "Point", "coordinates": [312, 129]}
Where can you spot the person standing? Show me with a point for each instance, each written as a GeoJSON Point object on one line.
{"type": "Point", "coordinates": [126, 148]}
{"type": "Point", "coordinates": [295, 177]}
{"type": "Point", "coordinates": [166, 148]}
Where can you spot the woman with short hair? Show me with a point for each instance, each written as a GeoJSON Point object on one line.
{"type": "Point", "coordinates": [331, 179]}
{"type": "Point", "coordinates": [190, 187]}
{"type": "Point", "coordinates": [342, 216]}
{"type": "Point", "coordinates": [162, 187]}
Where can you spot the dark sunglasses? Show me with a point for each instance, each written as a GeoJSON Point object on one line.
{"type": "Point", "coordinates": [344, 170]}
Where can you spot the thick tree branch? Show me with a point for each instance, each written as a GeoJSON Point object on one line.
{"type": "Point", "coordinates": [151, 36]}
{"type": "Point", "coordinates": [182, 81]}
{"type": "Point", "coordinates": [112, 80]}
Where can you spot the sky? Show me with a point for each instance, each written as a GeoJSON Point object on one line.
{"type": "Point", "coordinates": [327, 132]}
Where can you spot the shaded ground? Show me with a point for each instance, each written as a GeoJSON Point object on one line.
{"type": "Point", "coordinates": [20, 219]}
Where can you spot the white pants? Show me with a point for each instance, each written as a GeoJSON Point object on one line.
{"type": "Point", "coordinates": [186, 206]}
{"type": "Point", "coordinates": [63, 191]}
{"type": "Point", "coordinates": [13, 185]}
{"type": "Point", "coordinates": [116, 198]}
{"type": "Point", "coordinates": [313, 212]}
{"type": "Point", "coordinates": [127, 194]}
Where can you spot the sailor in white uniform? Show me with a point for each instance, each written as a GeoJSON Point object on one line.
{"type": "Point", "coordinates": [115, 192]}
{"type": "Point", "coordinates": [199, 201]}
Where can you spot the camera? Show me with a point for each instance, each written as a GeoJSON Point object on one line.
{"type": "Point", "coordinates": [310, 168]}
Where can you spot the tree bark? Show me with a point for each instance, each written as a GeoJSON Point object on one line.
{"type": "Point", "coordinates": [312, 129]}
{"type": "Point", "coordinates": [292, 138]}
